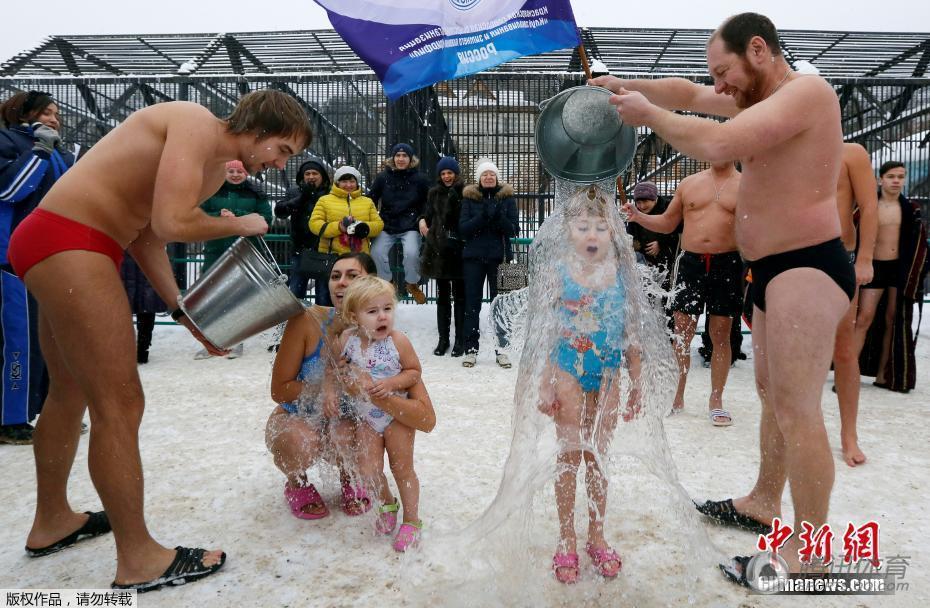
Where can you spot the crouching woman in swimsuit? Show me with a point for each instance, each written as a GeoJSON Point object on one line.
{"type": "Point", "coordinates": [297, 432]}
{"type": "Point", "coordinates": [581, 384]}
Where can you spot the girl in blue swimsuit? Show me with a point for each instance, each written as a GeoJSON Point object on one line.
{"type": "Point", "coordinates": [581, 383]}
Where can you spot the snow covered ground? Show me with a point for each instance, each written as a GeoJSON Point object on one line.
{"type": "Point", "coordinates": [211, 482]}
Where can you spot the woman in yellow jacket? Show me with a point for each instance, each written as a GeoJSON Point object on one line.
{"type": "Point", "coordinates": [344, 219]}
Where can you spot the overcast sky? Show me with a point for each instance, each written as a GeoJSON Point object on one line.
{"type": "Point", "coordinates": [25, 31]}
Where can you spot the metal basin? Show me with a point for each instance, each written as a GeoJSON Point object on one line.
{"type": "Point", "coordinates": [241, 295]}
{"type": "Point", "coordinates": [580, 137]}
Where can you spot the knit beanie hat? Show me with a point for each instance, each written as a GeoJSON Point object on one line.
{"type": "Point", "coordinates": [402, 147]}
{"type": "Point", "coordinates": [236, 164]}
{"type": "Point", "coordinates": [645, 191]}
{"type": "Point", "coordinates": [448, 163]}
{"type": "Point", "coordinates": [348, 171]}
{"type": "Point", "coordinates": [485, 164]}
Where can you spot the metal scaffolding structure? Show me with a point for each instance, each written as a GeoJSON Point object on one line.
{"type": "Point", "coordinates": [880, 78]}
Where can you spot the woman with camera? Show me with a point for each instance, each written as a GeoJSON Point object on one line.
{"type": "Point", "coordinates": [345, 220]}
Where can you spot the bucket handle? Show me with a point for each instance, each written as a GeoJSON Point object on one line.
{"type": "Point", "coordinates": [264, 249]}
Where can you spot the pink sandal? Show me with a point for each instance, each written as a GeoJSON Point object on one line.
{"type": "Point", "coordinates": [300, 498]}
{"type": "Point", "coordinates": [355, 500]}
{"type": "Point", "coordinates": [387, 517]}
{"type": "Point", "coordinates": [408, 536]}
{"type": "Point", "coordinates": [602, 558]}
{"type": "Point", "coordinates": [565, 567]}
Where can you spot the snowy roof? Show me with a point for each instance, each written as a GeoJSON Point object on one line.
{"type": "Point", "coordinates": [660, 52]}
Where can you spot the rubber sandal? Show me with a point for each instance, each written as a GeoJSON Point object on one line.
{"type": "Point", "coordinates": [96, 524]}
{"type": "Point", "coordinates": [355, 500]}
{"type": "Point", "coordinates": [736, 570]}
{"type": "Point", "coordinates": [714, 414]}
{"type": "Point", "coordinates": [565, 567]}
{"type": "Point", "coordinates": [187, 567]}
{"type": "Point", "coordinates": [723, 512]}
{"type": "Point", "coordinates": [387, 517]}
{"type": "Point", "coordinates": [602, 557]}
{"type": "Point", "coordinates": [408, 536]}
{"type": "Point", "coordinates": [300, 498]}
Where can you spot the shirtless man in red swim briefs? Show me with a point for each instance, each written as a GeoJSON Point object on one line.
{"type": "Point", "coordinates": [138, 188]}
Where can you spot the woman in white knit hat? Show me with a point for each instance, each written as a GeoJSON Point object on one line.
{"type": "Point", "coordinates": [488, 219]}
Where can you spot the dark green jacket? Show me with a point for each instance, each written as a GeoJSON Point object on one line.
{"type": "Point", "coordinates": [241, 199]}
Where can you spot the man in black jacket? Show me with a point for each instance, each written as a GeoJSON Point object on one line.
{"type": "Point", "coordinates": [400, 195]}
{"type": "Point", "coordinates": [312, 183]}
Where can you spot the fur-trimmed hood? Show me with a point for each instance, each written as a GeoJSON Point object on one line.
{"type": "Point", "coordinates": [414, 163]}
{"type": "Point", "coordinates": [473, 192]}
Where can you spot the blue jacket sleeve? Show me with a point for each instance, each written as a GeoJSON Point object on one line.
{"type": "Point", "coordinates": [21, 171]}
{"type": "Point", "coordinates": [376, 190]}
{"type": "Point", "coordinates": [422, 192]}
{"type": "Point", "coordinates": [471, 219]}
{"type": "Point", "coordinates": [509, 222]}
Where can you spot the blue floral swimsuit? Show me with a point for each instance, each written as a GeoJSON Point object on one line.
{"type": "Point", "coordinates": [591, 325]}
{"type": "Point", "coordinates": [311, 370]}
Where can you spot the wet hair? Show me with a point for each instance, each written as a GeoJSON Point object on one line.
{"type": "Point", "coordinates": [889, 165]}
{"type": "Point", "coordinates": [738, 30]}
{"type": "Point", "coordinates": [587, 201]}
{"type": "Point", "coordinates": [363, 290]}
{"type": "Point", "coordinates": [270, 113]}
{"type": "Point", "coordinates": [24, 106]}
{"type": "Point", "coordinates": [364, 260]}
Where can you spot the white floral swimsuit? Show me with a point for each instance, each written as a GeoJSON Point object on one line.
{"type": "Point", "coordinates": [381, 360]}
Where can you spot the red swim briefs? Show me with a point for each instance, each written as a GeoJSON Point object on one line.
{"type": "Point", "coordinates": [43, 234]}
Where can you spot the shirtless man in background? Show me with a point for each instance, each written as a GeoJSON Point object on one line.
{"type": "Point", "coordinates": [891, 177]}
{"type": "Point", "coordinates": [708, 272]}
{"type": "Point", "coordinates": [782, 125]}
{"type": "Point", "coordinates": [137, 188]}
{"type": "Point", "coordinates": [856, 188]}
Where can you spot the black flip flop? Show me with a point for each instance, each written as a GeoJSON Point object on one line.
{"type": "Point", "coordinates": [96, 524]}
{"type": "Point", "coordinates": [736, 570]}
{"type": "Point", "coordinates": [187, 567]}
{"type": "Point", "coordinates": [723, 512]}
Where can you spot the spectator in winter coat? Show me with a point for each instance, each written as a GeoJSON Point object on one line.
{"type": "Point", "coordinates": [236, 197]}
{"type": "Point", "coordinates": [31, 160]}
{"type": "Point", "coordinates": [344, 220]}
{"type": "Point", "coordinates": [656, 248]}
{"type": "Point", "coordinates": [312, 183]}
{"type": "Point", "coordinates": [488, 219]}
{"type": "Point", "coordinates": [400, 194]}
{"type": "Point", "coordinates": [442, 254]}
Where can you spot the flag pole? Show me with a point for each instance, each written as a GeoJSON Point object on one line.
{"type": "Point", "coordinates": [621, 191]}
{"type": "Point", "coordinates": [584, 61]}
{"type": "Point", "coordinates": [583, 56]}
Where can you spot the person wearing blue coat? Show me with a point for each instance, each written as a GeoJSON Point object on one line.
{"type": "Point", "coordinates": [487, 222]}
{"type": "Point", "coordinates": [31, 160]}
{"type": "Point", "coordinates": [399, 193]}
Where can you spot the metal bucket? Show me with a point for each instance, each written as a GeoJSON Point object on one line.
{"type": "Point", "coordinates": [241, 295]}
{"type": "Point", "coordinates": [580, 137]}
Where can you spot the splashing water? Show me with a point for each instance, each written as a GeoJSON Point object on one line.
{"type": "Point", "coordinates": [586, 295]}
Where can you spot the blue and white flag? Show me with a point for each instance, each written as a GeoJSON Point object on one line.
{"type": "Point", "coordinates": [411, 44]}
